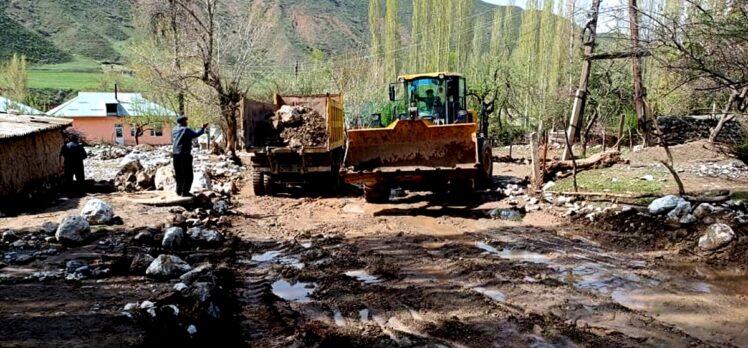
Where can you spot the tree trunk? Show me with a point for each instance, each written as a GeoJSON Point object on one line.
{"type": "Point", "coordinates": [734, 96]}
{"type": "Point", "coordinates": [621, 123]}
{"type": "Point", "coordinates": [229, 109]}
{"type": "Point", "coordinates": [641, 114]}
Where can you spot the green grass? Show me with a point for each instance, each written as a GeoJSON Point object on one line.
{"type": "Point", "coordinates": [628, 181]}
{"type": "Point", "coordinates": [64, 80]}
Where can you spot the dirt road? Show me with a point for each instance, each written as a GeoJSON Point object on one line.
{"type": "Point", "coordinates": [423, 274]}
{"type": "Point", "coordinates": [338, 272]}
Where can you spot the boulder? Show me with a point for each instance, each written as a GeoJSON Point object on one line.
{"type": "Point", "coordinates": [143, 180]}
{"type": "Point", "coordinates": [703, 210]}
{"type": "Point", "coordinates": [49, 228]}
{"type": "Point", "coordinates": [143, 237]}
{"type": "Point", "coordinates": [140, 263]}
{"type": "Point", "coordinates": [74, 229]}
{"type": "Point", "coordinates": [167, 266]}
{"type": "Point", "coordinates": [173, 238]}
{"type": "Point", "coordinates": [201, 182]}
{"type": "Point", "coordinates": [97, 212]}
{"type": "Point", "coordinates": [221, 207]}
{"type": "Point", "coordinates": [129, 166]}
{"type": "Point", "coordinates": [195, 274]}
{"type": "Point", "coordinates": [9, 236]}
{"type": "Point", "coordinates": [164, 179]}
{"type": "Point", "coordinates": [202, 235]}
{"type": "Point", "coordinates": [717, 235]}
{"type": "Point", "coordinates": [664, 204]}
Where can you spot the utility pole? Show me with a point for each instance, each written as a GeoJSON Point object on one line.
{"type": "Point", "coordinates": [580, 98]}
{"type": "Point", "coordinates": [636, 66]}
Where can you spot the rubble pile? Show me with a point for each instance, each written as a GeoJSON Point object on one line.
{"type": "Point", "coordinates": [107, 152]}
{"type": "Point", "coordinates": [300, 126]}
{"type": "Point", "coordinates": [152, 170]}
{"type": "Point", "coordinates": [734, 170]}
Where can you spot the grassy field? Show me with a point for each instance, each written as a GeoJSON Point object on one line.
{"type": "Point", "coordinates": [616, 180]}
{"type": "Point", "coordinates": [80, 81]}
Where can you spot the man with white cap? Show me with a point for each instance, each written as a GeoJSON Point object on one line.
{"type": "Point", "coordinates": [181, 138]}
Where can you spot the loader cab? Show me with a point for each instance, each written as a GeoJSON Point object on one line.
{"type": "Point", "coordinates": [440, 98]}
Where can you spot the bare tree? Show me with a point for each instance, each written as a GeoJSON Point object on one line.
{"type": "Point", "coordinates": [217, 42]}
{"type": "Point", "coordinates": [708, 48]}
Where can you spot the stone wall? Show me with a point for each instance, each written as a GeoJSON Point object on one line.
{"type": "Point", "coordinates": [683, 129]}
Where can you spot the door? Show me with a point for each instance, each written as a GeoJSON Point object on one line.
{"type": "Point", "coordinates": [119, 134]}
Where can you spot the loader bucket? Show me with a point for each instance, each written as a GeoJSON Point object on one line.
{"type": "Point", "coordinates": [412, 145]}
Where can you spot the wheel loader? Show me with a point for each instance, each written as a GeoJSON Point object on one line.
{"type": "Point", "coordinates": [435, 143]}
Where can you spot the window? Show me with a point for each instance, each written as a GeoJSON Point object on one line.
{"type": "Point", "coordinates": [118, 132]}
{"type": "Point", "coordinates": [132, 130]}
{"type": "Point", "coordinates": [111, 109]}
{"type": "Point", "coordinates": [157, 131]}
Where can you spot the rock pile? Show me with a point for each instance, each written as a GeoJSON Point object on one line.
{"type": "Point", "coordinates": [300, 126]}
{"type": "Point", "coordinates": [106, 152]}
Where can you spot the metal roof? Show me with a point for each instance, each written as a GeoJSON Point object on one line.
{"type": "Point", "coordinates": [93, 104]}
{"type": "Point", "coordinates": [8, 106]}
{"type": "Point", "coordinates": [20, 125]}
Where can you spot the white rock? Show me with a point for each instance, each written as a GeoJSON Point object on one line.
{"type": "Point", "coordinates": [147, 304]}
{"type": "Point", "coordinates": [681, 210]}
{"type": "Point", "coordinates": [173, 238]}
{"type": "Point", "coordinates": [717, 235]}
{"type": "Point", "coordinates": [191, 329]}
{"type": "Point", "coordinates": [664, 204]}
{"type": "Point", "coordinates": [687, 220]}
{"type": "Point", "coordinates": [131, 307]}
{"type": "Point", "coordinates": [179, 287]}
{"type": "Point", "coordinates": [647, 178]}
{"type": "Point", "coordinates": [167, 266]}
{"type": "Point", "coordinates": [164, 179]}
{"type": "Point", "coordinates": [201, 182]}
{"type": "Point", "coordinates": [205, 235]}
{"type": "Point", "coordinates": [97, 212]}
{"type": "Point", "coordinates": [73, 229]}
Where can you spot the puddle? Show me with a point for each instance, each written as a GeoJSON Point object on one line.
{"type": "Point", "coordinates": [596, 277]}
{"type": "Point", "coordinates": [363, 315]}
{"type": "Point", "coordinates": [514, 254]}
{"type": "Point", "coordinates": [276, 256]}
{"type": "Point", "coordinates": [363, 276]}
{"type": "Point", "coordinates": [493, 294]}
{"type": "Point", "coordinates": [266, 256]}
{"type": "Point", "coordinates": [298, 292]}
{"type": "Point", "coordinates": [339, 320]}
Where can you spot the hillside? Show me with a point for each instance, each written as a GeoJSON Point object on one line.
{"type": "Point", "coordinates": [74, 37]}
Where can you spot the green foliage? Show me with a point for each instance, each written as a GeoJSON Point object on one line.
{"type": "Point", "coordinates": [508, 134]}
{"type": "Point", "coordinates": [18, 40]}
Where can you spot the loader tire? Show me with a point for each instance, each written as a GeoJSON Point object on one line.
{"type": "Point", "coordinates": [258, 182]}
{"type": "Point", "coordinates": [376, 194]}
{"type": "Point", "coordinates": [486, 174]}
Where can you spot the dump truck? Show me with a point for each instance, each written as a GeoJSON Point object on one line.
{"type": "Point", "coordinates": [275, 162]}
{"type": "Point", "coordinates": [435, 143]}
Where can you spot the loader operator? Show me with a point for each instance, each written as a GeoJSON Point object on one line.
{"type": "Point", "coordinates": [181, 138]}
{"type": "Point", "coordinates": [433, 104]}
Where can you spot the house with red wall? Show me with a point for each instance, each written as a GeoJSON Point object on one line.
{"type": "Point", "coordinates": [103, 117]}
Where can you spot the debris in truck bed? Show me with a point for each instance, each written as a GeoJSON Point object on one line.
{"type": "Point", "coordinates": [300, 126]}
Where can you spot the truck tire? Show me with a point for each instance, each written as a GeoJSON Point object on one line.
{"type": "Point", "coordinates": [268, 185]}
{"type": "Point", "coordinates": [258, 184]}
{"type": "Point", "coordinates": [376, 194]}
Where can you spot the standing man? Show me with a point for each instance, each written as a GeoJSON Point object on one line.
{"type": "Point", "coordinates": [181, 138]}
{"type": "Point", "coordinates": [73, 154]}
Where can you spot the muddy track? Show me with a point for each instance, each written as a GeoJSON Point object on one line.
{"type": "Point", "coordinates": [467, 290]}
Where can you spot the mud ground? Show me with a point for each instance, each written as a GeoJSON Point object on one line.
{"type": "Point", "coordinates": [420, 272]}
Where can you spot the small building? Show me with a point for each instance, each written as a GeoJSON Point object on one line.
{"type": "Point", "coordinates": [29, 156]}
{"type": "Point", "coordinates": [8, 106]}
{"type": "Point", "coordinates": [104, 117]}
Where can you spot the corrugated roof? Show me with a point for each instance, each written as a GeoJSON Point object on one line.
{"type": "Point", "coordinates": [8, 106]}
{"type": "Point", "coordinates": [93, 104]}
{"type": "Point", "coordinates": [20, 125]}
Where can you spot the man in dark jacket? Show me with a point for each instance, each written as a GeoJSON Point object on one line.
{"type": "Point", "coordinates": [181, 138]}
{"type": "Point", "coordinates": [73, 154]}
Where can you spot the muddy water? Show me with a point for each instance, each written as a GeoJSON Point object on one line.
{"type": "Point", "coordinates": [708, 303]}
{"type": "Point", "coordinates": [711, 305]}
